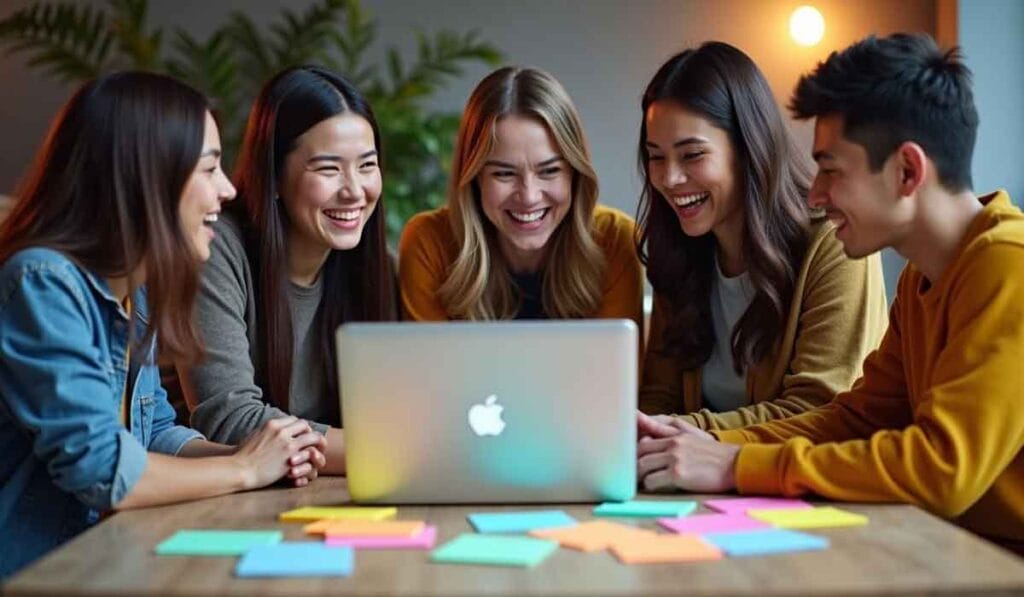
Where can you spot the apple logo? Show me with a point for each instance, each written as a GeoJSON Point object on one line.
{"type": "Point", "coordinates": [485, 419]}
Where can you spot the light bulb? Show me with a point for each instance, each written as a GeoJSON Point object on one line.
{"type": "Point", "coordinates": [807, 26]}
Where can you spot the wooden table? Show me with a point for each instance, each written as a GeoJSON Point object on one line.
{"type": "Point", "coordinates": [902, 550]}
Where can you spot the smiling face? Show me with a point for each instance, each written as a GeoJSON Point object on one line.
{"type": "Point", "coordinates": [525, 190]}
{"type": "Point", "coordinates": [692, 164]}
{"type": "Point", "coordinates": [204, 191]}
{"type": "Point", "coordinates": [863, 205]}
{"type": "Point", "coordinates": [331, 184]}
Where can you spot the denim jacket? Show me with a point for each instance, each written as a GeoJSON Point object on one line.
{"type": "Point", "coordinates": [65, 457]}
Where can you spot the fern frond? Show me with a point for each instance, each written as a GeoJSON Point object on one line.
{"type": "Point", "coordinates": [439, 58]}
{"type": "Point", "coordinates": [70, 41]}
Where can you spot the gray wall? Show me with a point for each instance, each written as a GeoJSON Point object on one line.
{"type": "Point", "coordinates": [603, 51]}
{"type": "Point", "coordinates": [992, 36]}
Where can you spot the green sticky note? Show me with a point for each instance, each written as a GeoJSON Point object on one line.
{"type": "Point", "coordinates": [494, 550]}
{"type": "Point", "coordinates": [646, 509]}
{"type": "Point", "coordinates": [192, 542]}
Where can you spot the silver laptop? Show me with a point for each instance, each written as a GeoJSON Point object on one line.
{"type": "Point", "coordinates": [509, 412]}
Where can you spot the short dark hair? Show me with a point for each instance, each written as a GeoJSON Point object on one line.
{"type": "Point", "coordinates": [895, 89]}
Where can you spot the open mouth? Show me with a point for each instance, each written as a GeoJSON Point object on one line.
{"type": "Point", "coordinates": [529, 217]}
{"type": "Point", "coordinates": [691, 200]}
{"type": "Point", "coordinates": [209, 220]}
{"type": "Point", "coordinates": [343, 215]}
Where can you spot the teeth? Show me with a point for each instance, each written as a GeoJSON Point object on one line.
{"type": "Point", "coordinates": [210, 218]}
{"type": "Point", "coordinates": [528, 216]}
{"type": "Point", "coordinates": [686, 200]}
{"type": "Point", "coordinates": [343, 214]}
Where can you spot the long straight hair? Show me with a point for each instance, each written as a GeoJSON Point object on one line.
{"type": "Point", "coordinates": [723, 85]}
{"type": "Point", "coordinates": [104, 190]}
{"type": "Point", "coordinates": [479, 284]}
{"type": "Point", "coordinates": [358, 284]}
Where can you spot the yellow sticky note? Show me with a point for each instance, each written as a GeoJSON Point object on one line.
{"type": "Point", "coordinates": [809, 518]}
{"type": "Point", "coordinates": [660, 549]}
{"type": "Point", "coordinates": [365, 528]}
{"type": "Point", "coordinates": [594, 535]}
{"type": "Point", "coordinates": [313, 513]}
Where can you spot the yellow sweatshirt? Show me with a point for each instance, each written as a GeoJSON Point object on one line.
{"type": "Point", "coordinates": [428, 248]}
{"type": "Point", "coordinates": [937, 420]}
{"type": "Point", "coordinates": [836, 317]}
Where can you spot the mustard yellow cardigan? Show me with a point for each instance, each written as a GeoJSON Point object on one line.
{"type": "Point", "coordinates": [836, 317]}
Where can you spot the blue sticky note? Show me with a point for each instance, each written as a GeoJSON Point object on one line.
{"type": "Point", "coordinates": [520, 522]}
{"type": "Point", "coordinates": [494, 550]}
{"type": "Point", "coordinates": [646, 509]}
{"type": "Point", "coordinates": [295, 559]}
{"type": "Point", "coordinates": [765, 541]}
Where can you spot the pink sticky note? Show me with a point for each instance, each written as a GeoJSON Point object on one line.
{"type": "Point", "coordinates": [741, 505]}
{"type": "Point", "coordinates": [712, 523]}
{"type": "Point", "coordinates": [422, 540]}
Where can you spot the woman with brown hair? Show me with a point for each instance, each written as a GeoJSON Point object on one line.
{"type": "Point", "coordinates": [758, 313]}
{"type": "Point", "coordinates": [98, 260]}
{"type": "Point", "coordinates": [303, 251]}
{"type": "Point", "coordinates": [522, 236]}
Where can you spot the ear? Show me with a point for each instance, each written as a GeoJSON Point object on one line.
{"type": "Point", "coordinates": [912, 168]}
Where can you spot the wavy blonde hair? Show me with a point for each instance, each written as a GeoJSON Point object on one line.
{"type": "Point", "coordinates": [479, 284]}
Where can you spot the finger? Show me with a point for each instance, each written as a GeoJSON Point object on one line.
{"type": "Point", "coordinates": [299, 457]}
{"type": "Point", "coordinates": [653, 462]}
{"type": "Point", "coordinates": [280, 423]}
{"type": "Point", "coordinates": [300, 471]}
{"type": "Point", "coordinates": [659, 481]}
{"type": "Point", "coordinates": [298, 427]}
{"type": "Point", "coordinates": [300, 482]}
{"type": "Point", "coordinates": [648, 446]}
{"type": "Point", "coordinates": [309, 439]}
{"type": "Point", "coordinates": [319, 459]}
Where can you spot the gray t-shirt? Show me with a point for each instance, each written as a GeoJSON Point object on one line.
{"type": "Point", "coordinates": [722, 388]}
{"type": "Point", "coordinates": [230, 405]}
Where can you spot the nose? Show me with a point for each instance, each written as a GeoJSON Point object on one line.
{"type": "Point", "coordinates": [817, 198]}
{"type": "Point", "coordinates": [350, 189]}
{"type": "Point", "coordinates": [227, 190]}
{"type": "Point", "coordinates": [673, 174]}
{"type": "Point", "coordinates": [531, 190]}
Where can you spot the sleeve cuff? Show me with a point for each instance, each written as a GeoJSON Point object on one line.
{"type": "Point", "coordinates": [758, 468]}
{"type": "Point", "coordinates": [173, 439]}
{"type": "Point", "coordinates": [131, 462]}
{"type": "Point", "coordinates": [318, 427]}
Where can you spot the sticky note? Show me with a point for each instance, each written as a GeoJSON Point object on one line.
{"type": "Point", "coordinates": [593, 535]}
{"type": "Point", "coordinates": [520, 522]}
{"type": "Point", "coordinates": [646, 509]}
{"type": "Point", "coordinates": [765, 541]}
{"type": "Point", "coordinates": [494, 550]}
{"type": "Point", "coordinates": [712, 523]}
{"type": "Point", "coordinates": [197, 542]}
{"type": "Point", "coordinates": [424, 540]}
{"type": "Point", "coordinates": [365, 528]}
{"type": "Point", "coordinates": [660, 549]}
{"type": "Point", "coordinates": [295, 559]}
{"type": "Point", "coordinates": [314, 513]}
{"type": "Point", "coordinates": [809, 518]}
{"type": "Point", "coordinates": [741, 505]}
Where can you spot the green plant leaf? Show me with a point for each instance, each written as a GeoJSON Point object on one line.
{"type": "Point", "coordinates": [69, 41]}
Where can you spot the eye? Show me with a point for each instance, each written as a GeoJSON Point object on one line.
{"type": "Point", "coordinates": [692, 155]}
{"type": "Point", "coordinates": [655, 158]}
{"type": "Point", "coordinates": [550, 171]}
{"type": "Point", "coordinates": [503, 174]}
{"type": "Point", "coordinates": [367, 165]}
{"type": "Point", "coordinates": [328, 169]}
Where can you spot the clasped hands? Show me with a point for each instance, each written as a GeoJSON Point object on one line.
{"type": "Point", "coordinates": [672, 454]}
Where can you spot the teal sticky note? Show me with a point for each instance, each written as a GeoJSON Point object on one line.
{"type": "Point", "coordinates": [295, 559]}
{"type": "Point", "coordinates": [494, 550]}
{"type": "Point", "coordinates": [520, 522]}
{"type": "Point", "coordinates": [192, 542]}
{"type": "Point", "coordinates": [646, 509]}
{"type": "Point", "coordinates": [765, 541]}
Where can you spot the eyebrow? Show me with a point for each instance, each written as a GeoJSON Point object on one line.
{"type": "Point", "coordinates": [540, 164]}
{"type": "Point", "coordinates": [822, 155]}
{"type": "Point", "coordinates": [329, 157]}
{"type": "Point", "coordinates": [681, 142]}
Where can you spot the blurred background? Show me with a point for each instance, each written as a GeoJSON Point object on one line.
{"type": "Point", "coordinates": [603, 52]}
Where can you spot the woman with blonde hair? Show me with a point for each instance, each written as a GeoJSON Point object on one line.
{"type": "Point", "coordinates": [522, 236]}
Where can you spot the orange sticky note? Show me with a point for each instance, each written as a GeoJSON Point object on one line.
{"type": "Point", "coordinates": [594, 535]}
{"type": "Point", "coordinates": [661, 549]}
{"type": "Point", "coordinates": [365, 528]}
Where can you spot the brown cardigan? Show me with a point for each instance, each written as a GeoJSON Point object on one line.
{"type": "Point", "coordinates": [837, 316]}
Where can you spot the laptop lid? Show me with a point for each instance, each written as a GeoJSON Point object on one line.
{"type": "Point", "coordinates": [498, 412]}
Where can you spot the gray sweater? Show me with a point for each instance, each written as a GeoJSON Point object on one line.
{"type": "Point", "coordinates": [227, 405]}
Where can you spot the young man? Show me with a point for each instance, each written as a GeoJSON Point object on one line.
{"type": "Point", "coordinates": [937, 420]}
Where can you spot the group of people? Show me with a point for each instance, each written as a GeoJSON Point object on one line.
{"type": "Point", "coordinates": [770, 365]}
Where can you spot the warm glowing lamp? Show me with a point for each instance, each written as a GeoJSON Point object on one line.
{"type": "Point", "coordinates": [807, 26]}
